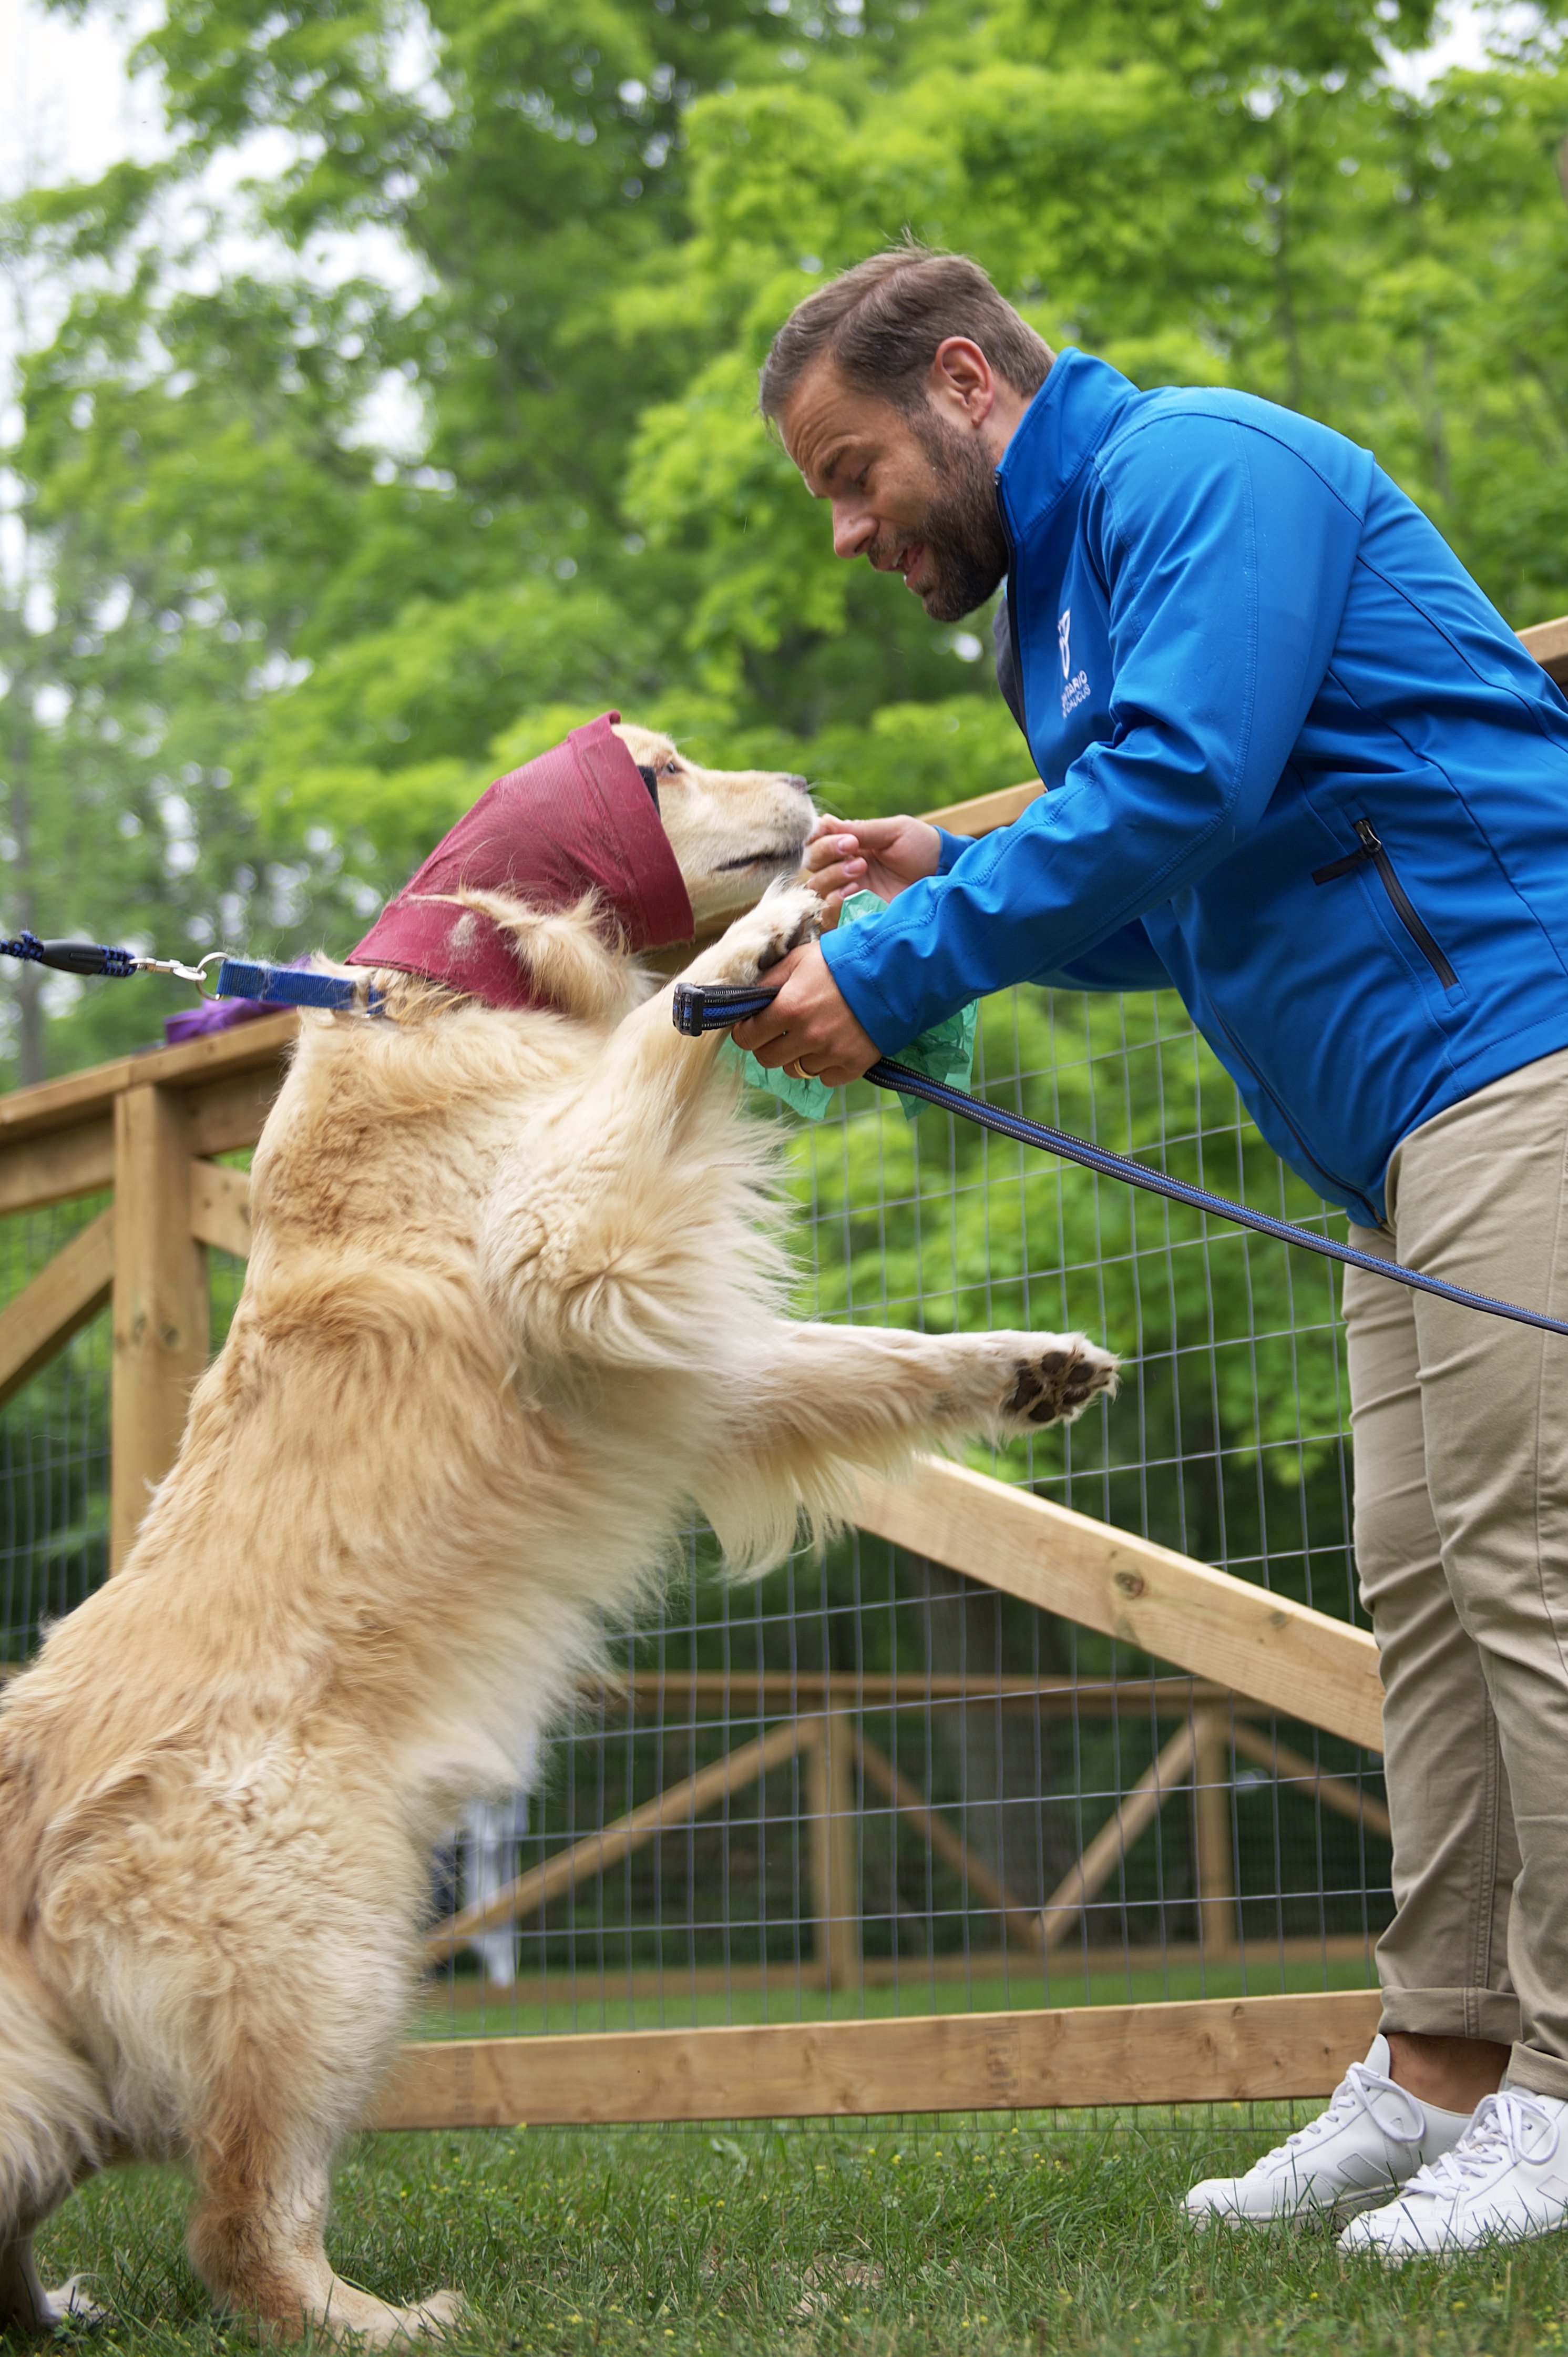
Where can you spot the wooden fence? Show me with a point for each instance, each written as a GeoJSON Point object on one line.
{"type": "Point", "coordinates": [147, 1127]}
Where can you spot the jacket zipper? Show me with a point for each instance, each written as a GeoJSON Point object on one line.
{"type": "Point", "coordinates": [1372, 849]}
{"type": "Point", "coordinates": [1023, 712]}
{"type": "Point", "coordinates": [1247, 1064]}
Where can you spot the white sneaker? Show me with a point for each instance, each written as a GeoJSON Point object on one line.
{"type": "Point", "coordinates": [1371, 2140]}
{"type": "Point", "coordinates": [1504, 2181]}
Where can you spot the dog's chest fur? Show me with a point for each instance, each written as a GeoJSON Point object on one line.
{"type": "Point", "coordinates": [436, 1449]}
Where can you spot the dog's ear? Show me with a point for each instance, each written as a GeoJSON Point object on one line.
{"type": "Point", "coordinates": [651, 779]}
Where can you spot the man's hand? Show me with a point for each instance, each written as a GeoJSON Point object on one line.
{"type": "Point", "coordinates": [808, 1029]}
{"type": "Point", "coordinates": [876, 855]}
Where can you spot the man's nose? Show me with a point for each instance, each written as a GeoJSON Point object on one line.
{"type": "Point", "coordinates": [853, 529]}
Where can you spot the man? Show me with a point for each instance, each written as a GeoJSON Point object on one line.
{"type": "Point", "coordinates": [1298, 768]}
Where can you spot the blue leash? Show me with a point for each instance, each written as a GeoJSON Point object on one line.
{"type": "Point", "coordinates": [274, 985]}
{"type": "Point", "coordinates": [715, 1006]}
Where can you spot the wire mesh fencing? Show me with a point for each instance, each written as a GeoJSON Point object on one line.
{"type": "Point", "coordinates": [867, 1785]}
{"type": "Point", "coordinates": [54, 1448]}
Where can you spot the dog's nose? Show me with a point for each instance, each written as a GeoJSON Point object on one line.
{"type": "Point", "coordinates": [802, 785]}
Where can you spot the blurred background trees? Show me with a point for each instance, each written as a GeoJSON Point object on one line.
{"type": "Point", "coordinates": [259, 651]}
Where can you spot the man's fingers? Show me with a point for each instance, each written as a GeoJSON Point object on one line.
{"type": "Point", "coordinates": [758, 1032]}
{"type": "Point", "coordinates": [833, 863]}
{"type": "Point", "coordinates": [808, 1024]}
{"type": "Point", "coordinates": [856, 835]}
{"type": "Point", "coordinates": [849, 877]}
{"type": "Point", "coordinates": [769, 1053]}
{"type": "Point", "coordinates": [830, 851]}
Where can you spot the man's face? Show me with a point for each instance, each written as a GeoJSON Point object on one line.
{"type": "Point", "coordinates": [910, 491]}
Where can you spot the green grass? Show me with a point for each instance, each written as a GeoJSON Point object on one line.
{"type": "Point", "coordinates": [678, 2006]}
{"type": "Point", "coordinates": [1022, 2237]}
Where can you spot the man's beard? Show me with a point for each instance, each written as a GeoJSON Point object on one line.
{"type": "Point", "coordinates": [962, 528]}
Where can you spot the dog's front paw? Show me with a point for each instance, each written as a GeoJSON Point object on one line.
{"type": "Point", "coordinates": [1057, 1380]}
{"type": "Point", "coordinates": [786, 915]}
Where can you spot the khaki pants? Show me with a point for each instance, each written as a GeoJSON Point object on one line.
{"type": "Point", "coordinates": [1460, 1424]}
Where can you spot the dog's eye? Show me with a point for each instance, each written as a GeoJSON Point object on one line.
{"type": "Point", "coordinates": [670, 769]}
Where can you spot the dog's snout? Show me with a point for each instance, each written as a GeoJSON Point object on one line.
{"type": "Point", "coordinates": [802, 785]}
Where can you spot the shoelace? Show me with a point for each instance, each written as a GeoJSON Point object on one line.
{"type": "Point", "coordinates": [1496, 2133]}
{"type": "Point", "coordinates": [1354, 2092]}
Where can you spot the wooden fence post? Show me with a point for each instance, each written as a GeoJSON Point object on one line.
{"type": "Point", "coordinates": [835, 1853]}
{"type": "Point", "coordinates": [161, 1331]}
{"type": "Point", "coordinates": [1217, 1926]}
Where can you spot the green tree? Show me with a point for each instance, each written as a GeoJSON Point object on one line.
{"type": "Point", "coordinates": [609, 216]}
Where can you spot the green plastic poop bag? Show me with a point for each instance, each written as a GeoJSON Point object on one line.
{"type": "Point", "coordinates": [945, 1053]}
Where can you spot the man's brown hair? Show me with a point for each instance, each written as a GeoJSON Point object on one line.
{"type": "Point", "coordinates": [880, 325]}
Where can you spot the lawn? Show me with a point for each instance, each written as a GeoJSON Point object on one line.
{"type": "Point", "coordinates": [1026, 2236]}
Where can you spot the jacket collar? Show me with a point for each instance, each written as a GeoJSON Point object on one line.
{"type": "Point", "coordinates": [1064, 425]}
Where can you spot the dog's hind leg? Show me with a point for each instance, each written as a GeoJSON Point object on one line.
{"type": "Point", "coordinates": [256, 2240]}
{"type": "Point", "coordinates": [262, 2157]}
{"type": "Point", "coordinates": [55, 2130]}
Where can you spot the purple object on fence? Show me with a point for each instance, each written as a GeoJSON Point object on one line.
{"type": "Point", "coordinates": [212, 1015]}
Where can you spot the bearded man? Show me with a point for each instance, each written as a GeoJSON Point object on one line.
{"type": "Point", "coordinates": [1300, 769]}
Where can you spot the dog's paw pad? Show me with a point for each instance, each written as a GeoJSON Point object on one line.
{"type": "Point", "coordinates": [1058, 1383]}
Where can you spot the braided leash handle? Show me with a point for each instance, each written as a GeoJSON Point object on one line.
{"type": "Point", "coordinates": [714, 1005]}
{"type": "Point", "coordinates": [73, 957]}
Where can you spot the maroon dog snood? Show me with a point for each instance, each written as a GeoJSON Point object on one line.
{"type": "Point", "coordinates": [578, 818]}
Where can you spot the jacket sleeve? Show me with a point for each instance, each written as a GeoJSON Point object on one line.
{"type": "Point", "coordinates": [1227, 560]}
{"type": "Point", "coordinates": [1124, 961]}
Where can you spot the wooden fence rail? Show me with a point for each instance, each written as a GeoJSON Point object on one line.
{"type": "Point", "coordinates": [147, 1127]}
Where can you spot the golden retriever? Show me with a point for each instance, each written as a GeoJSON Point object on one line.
{"type": "Point", "coordinates": [511, 1311]}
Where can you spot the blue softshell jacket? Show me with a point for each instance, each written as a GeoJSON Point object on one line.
{"type": "Point", "coordinates": [1297, 766]}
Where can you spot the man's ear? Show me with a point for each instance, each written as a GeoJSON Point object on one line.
{"type": "Point", "coordinates": [961, 380]}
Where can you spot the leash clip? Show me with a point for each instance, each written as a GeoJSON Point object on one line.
{"type": "Point", "coordinates": [196, 973]}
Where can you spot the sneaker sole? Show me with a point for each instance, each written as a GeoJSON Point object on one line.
{"type": "Point", "coordinates": [1321, 2218]}
{"type": "Point", "coordinates": [1446, 2253]}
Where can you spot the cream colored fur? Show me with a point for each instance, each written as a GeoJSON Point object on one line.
{"type": "Point", "coordinates": [512, 1309]}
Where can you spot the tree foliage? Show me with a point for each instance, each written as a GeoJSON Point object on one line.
{"type": "Point", "coordinates": [260, 662]}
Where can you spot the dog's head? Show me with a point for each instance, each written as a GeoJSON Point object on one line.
{"type": "Point", "coordinates": [733, 832]}
{"type": "Point", "coordinates": [574, 847]}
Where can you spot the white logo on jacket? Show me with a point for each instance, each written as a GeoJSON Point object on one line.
{"type": "Point", "coordinates": [1076, 691]}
